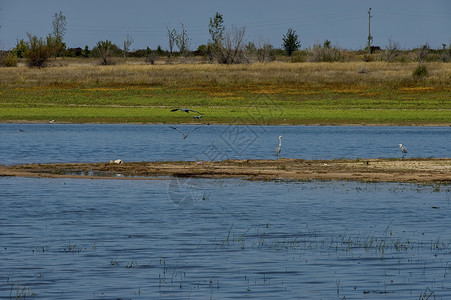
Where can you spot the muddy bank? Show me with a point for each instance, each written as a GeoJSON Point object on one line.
{"type": "Point", "coordinates": [388, 170]}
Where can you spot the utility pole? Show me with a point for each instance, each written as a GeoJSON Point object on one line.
{"type": "Point", "coordinates": [370, 38]}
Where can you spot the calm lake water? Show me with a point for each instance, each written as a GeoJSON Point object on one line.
{"type": "Point", "coordinates": [187, 238]}
{"type": "Point", "coordinates": [95, 143]}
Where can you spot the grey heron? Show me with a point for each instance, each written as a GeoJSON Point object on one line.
{"type": "Point", "coordinates": [185, 135]}
{"type": "Point", "coordinates": [403, 150]}
{"type": "Point", "coordinates": [187, 110]}
{"type": "Point", "coordinates": [279, 147]}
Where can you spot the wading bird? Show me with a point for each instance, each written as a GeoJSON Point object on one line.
{"type": "Point", "coordinates": [185, 135]}
{"type": "Point", "coordinates": [403, 150]}
{"type": "Point", "coordinates": [187, 110]}
{"type": "Point", "coordinates": [279, 147]}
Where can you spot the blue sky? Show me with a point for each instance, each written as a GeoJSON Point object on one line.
{"type": "Point", "coordinates": [411, 23]}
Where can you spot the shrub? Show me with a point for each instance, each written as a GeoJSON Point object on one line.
{"type": "Point", "coordinates": [420, 72]}
{"type": "Point", "coordinates": [9, 60]}
{"type": "Point", "coordinates": [368, 58]}
{"type": "Point", "coordinates": [392, 51]}
{"type": "Point", "coordinates": [105, 50]}
{"type": "Point", "coordinates": [38, 53]}
{"type": "Point", "coordinates": [21, 48]}
{"type": "Point", "coordinates": [325, 53]}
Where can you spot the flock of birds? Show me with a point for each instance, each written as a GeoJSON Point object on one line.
{"type": "Point", "coordinates": [278, 148]}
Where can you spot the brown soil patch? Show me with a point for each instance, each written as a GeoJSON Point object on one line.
{"type": "Point", "coordinates": [389, 170]}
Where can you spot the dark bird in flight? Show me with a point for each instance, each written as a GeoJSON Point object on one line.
{"type": "Point", "coordinates": [185, 135]}
{"type": "Point", "coordinates": [187, 110]}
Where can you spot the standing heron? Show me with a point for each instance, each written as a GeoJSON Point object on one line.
{"type": "Point", "coordinates": [279, 147]}
{"type": "Point", "coordinates": [403, 150]}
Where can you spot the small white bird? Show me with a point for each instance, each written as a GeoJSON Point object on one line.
{"type": "Point", "coordinates": [403, 150]}
{"type": "Point", "coordinates": [279, 147]}
{"type": "Point", "coordinates": [117, 161]}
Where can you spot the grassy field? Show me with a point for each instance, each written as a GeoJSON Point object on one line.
{"type": "Point", "coordinates": [272, 93]}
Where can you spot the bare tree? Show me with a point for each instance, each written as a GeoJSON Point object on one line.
{"type": "Point", "coordinates": [172, 37]}
{"type": "Point", "coordinates": [231, 48]}
{"type": "Point", "coordinates": [127, 43]}
{"type": "Point", "coordinates": [59, 25]}
{"type": "Point", "coordinates": [392, 50]}
{"type": "Point", "coordinates": [264, 49]}
{"type": "Point", "coordinates": [59, 29]}
{"type": "Point", "coordinates": [183, 41]}
{"type": "Point", "coordinates": [423, 52]}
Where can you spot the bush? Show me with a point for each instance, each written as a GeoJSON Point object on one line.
{"type": "Point", "coordinates": [420, 72]}
{"type": "Point", "coordinates": [38, 53]}
{"type": "Point", "coordinates": [106, 50]}
{"type": "Point", "coordinates": [325, 53]}
{"type": "Point", "coordinates": [9, 60]}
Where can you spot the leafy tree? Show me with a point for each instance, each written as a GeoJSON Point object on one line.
{"type": "Point", "coordinates": [55, 44]}
{"type": "Point", "coordinates": [216, 28]}
{"type": "Point", "coordinates": [21, 49]}
{"type": "Point", "coordinates": [39, 51]}
{"type": "Point", "coordinates": [85, 53]}
{"type": "Point", "coordinates": [159, 51]}
{"type": "Point", "coordinates": [290, 41]}
{"type": "Point", "coordinates": [105, 50]}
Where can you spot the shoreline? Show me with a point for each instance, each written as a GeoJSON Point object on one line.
{"type": "Point", "coordinates": [234, 123]}
{"type": "Point", "coordinates": [415, 170]}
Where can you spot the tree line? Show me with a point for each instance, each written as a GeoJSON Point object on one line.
{"type": "Point", "coordinates": [226, 45]}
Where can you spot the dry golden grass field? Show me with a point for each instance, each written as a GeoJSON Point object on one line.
{"type": "Point", "coordinates": [77, 90]}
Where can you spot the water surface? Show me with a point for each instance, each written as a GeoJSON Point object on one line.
{"type": "Point", "coordinates": [44, 143]}
{"type": "Point", "coordinates": [202, 238]}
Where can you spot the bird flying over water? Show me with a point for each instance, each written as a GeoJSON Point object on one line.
{"type": "Point", "coordinates": [187, 110]}
{"type": "Point", "coordinates": [185, 135]}
{"type": "Point", "coordinates": [403, 150]}
{"type": "Point", "coordinates": [279, 147]}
